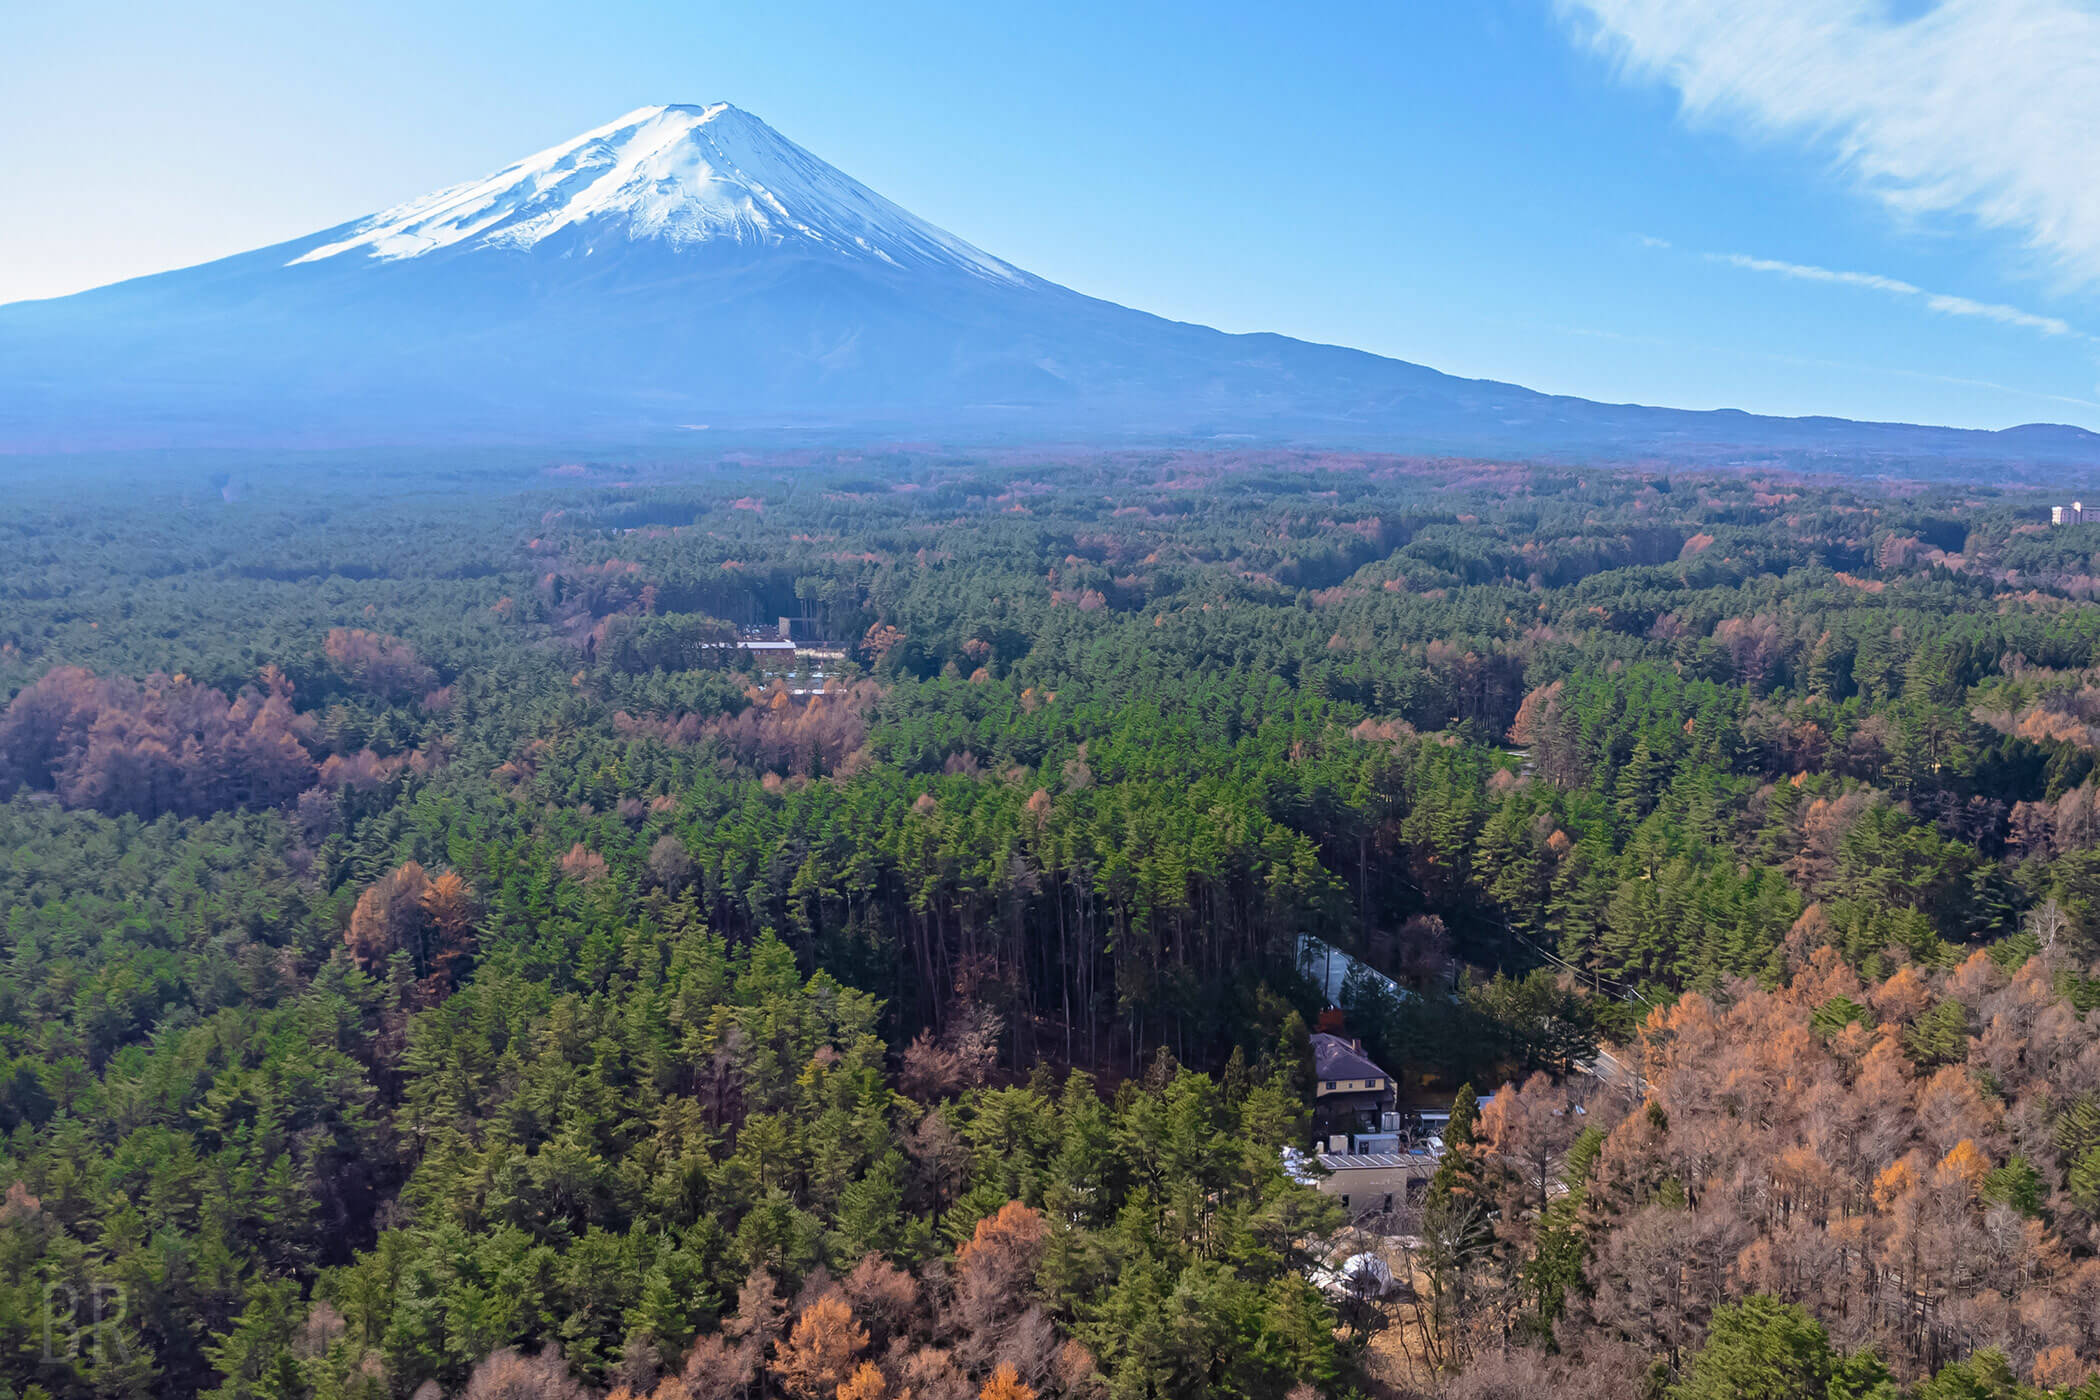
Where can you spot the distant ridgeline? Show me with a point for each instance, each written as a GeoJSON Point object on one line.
{"type": "Point", "coordinates": [686, 274]}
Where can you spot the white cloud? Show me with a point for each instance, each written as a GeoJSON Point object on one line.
{"type": "Point", "coordinates": [1987, 109]}
{"type": "Point", "coordinates": [1936, 301]}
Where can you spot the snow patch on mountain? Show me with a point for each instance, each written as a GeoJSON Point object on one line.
{"type": "Point", "coordinates": [682, 176]}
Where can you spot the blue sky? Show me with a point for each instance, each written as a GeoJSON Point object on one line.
{"type": "Point", "coordinates": [1873, 208]}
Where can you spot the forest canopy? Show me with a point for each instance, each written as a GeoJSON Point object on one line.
{"type": "Point", "coordinates": [457, 944]}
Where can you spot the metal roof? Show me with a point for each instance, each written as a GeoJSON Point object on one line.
{"type": "Point", "coordinates": [1371, 1161]}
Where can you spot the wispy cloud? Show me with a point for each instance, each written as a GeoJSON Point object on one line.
{"type": "Point", "coordinates": [1986, 109]}
{"type": "Point", "coordinates": [1942, 302]}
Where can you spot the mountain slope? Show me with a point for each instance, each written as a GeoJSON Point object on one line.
{"type": "Point", "coordinates": [690, 178]}
{"type": "Point", "coordinates": [689, 266]}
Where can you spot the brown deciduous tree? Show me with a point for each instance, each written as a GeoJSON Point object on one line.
{"type": "Point", "coordinates": [1529, 1130]}
{"type": "Point", "coordinates": [407, 912]}
{"type": "Point", "coordinates": [716, 1369]}
{"type": "Point", "coordinates": [168, 745]}
{"type": "Point", "coordinates": [384, 666]}
{"type": "Point", "coordinates": [960, 1058]}
{"type": "Point", "coordinates": [389, 917]}
{"type": "Point", "coordinates": [584, 865]}
{"type": "Point", "coordinates": [866, 1383]}
{"type": "Point", "coordinates": [994, 1278]}
{"type": "Point", "coordinates": [883, 1296]}
{"type": "Point", "coordinates": [450, 911]}
{"type": "Point", "coordinates": [509, 1375]}
{"type": "Point", "coordinates": [817, 1356]}
{"type": "Point", "coordinates": [1005, 1384]}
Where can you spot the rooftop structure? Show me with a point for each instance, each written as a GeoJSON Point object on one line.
{"type": "Point", "coordinates": [1340, 1066]}
{"type": "Point", "coordinates": [1375, 1184]}
{"type": "Point", "coordinates": [1351, 1092]}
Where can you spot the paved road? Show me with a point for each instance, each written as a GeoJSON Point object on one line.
{"type": "Point", "coordinates": [1614, 1073]}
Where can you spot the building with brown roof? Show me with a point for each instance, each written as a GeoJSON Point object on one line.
{"type": "Point", "coordinates": [1351, 1094]}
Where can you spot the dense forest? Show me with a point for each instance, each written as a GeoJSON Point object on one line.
{"type": "Point", "coordinates": [442, 958]}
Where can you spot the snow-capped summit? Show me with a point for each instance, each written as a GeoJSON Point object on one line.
{"type": "Point", "coordinates": [689, 267]}
{"type": "Point", "coordinates": [680, 175]}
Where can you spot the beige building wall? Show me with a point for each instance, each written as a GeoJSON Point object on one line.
{"type": "Point", "coordinates": [1375, 1183]}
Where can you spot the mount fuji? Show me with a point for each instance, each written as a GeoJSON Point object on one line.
{"type": "Point", "coordinates": [689, 266]}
